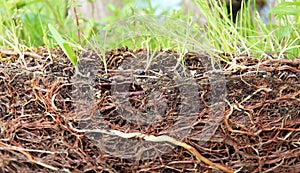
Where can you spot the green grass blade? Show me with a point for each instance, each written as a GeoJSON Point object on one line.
{"type": "Point", "coordinates": [64, 45]}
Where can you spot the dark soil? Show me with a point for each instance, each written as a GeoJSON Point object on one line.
{"type": "Point", "coordinates": [256, 105]}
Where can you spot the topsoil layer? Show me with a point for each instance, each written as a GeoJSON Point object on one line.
{"type": "Point", "coordinates": [251, 106]}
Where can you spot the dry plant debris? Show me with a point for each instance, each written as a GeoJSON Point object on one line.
{"type": "Point", "coordinates": [40, 129]}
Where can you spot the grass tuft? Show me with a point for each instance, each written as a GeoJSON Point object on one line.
{"type": "Point", "coordinates": [24, 24]}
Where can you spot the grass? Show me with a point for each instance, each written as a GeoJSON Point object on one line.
{"type": "Point", "coordinates": [24, 24]}
{"type": "Point", "coordinates": [32, 23]}
{"type": "Point", "coordinates": [249, 35]}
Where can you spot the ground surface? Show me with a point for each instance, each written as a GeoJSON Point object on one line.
{"type": "Point", "coordinates": [254, 114]}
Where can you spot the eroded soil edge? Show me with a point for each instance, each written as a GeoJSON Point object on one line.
{"type": "Point", "coordinates": [259, 130]}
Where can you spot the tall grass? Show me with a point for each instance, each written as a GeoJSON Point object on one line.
{"type": "Point", "coordinates": [24, 23]}
{"type": "Point", "coordinates": [249, 35]}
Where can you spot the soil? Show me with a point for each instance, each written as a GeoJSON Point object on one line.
{"type": "Point", "coordinates": [253, 106]}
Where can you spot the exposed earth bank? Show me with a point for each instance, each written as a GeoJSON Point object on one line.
{"type": "Point", "coordinates": [256, 129]}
